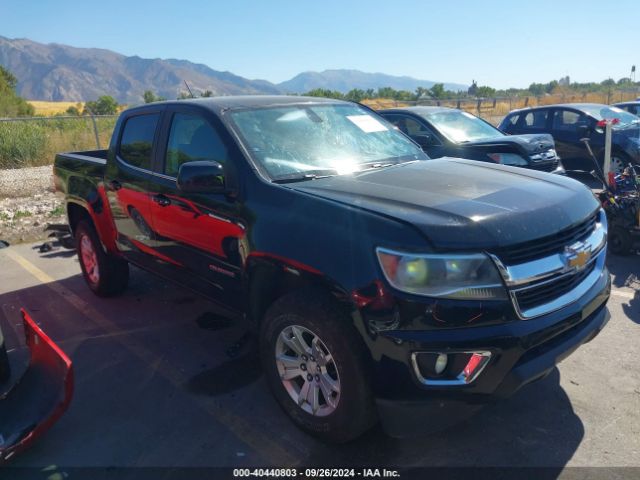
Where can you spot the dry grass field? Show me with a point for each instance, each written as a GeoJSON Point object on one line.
{"type": "Point", "coordinates": [47, 109]}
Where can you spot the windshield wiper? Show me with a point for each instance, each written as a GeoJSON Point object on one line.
{"type": "Point", "coordinates": [304, 176]}
{"type": "Point", "coordinates": [374, 165]}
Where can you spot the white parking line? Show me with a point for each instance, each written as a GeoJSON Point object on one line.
{"type": "Point", "coordinates": [623, 294]}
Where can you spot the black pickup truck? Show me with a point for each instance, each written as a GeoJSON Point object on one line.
{"type": "Point", "coordinates": [383, 285]}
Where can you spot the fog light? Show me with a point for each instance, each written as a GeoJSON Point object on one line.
{"type": "Point", "coordinates": [451, 368]}
{"type": "Point", "coordinates": [441, 363]}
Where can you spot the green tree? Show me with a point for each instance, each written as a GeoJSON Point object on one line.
{"type": "Point", "coordinates": [438, 91]}
{"type": "Point", "coordinates": [323, 92]}
{"type": "Point", "coordinates": [386, 92]}
{"type": "Point", "coordinates": [421, 92]}
{"type": "Point", "coordinates": [207, 93]}
{"type": "Point", "coordinates": [356, 95]}
{"type": "Point", "coordinates": [104, 105]}
{"type": "Point", "coordinates": [73, 110]}
{"type": "Point", "coordinates": [150, 97]}
{"type": "Point", "coordinates": [12, 105]}
{"type": "Point", "coordinates": [485, 92]}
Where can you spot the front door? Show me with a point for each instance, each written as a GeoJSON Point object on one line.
{"type": "Point", "coordinates": [201, 235]}
{"type": "Point", "coordinates": [567, 132]}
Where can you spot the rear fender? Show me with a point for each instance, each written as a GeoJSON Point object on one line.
{"type": "Point", "coordinates": [94, 203]}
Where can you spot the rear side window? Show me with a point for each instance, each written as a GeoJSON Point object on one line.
{"type": "Point", "coordinates": [192, 138]}
{"type": "Point", "coordinates": [567, 120]}
{"type": "Point", "coordinates": [536, 119]}
{"type": "Point", "coordinates": [136, 142]}
{"type": "Point", "coordinates": [512, 120]}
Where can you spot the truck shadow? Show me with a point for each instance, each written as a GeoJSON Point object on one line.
{"type": "Point", "coordinates": [123, 363]}
{"type": "Point", "coordinates": [625, 271]}
{"type": "Point", "coordinates": [536, 428]}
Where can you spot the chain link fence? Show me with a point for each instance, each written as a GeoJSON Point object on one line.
{"type": "Point", "coordinates": [29, 145]}
{"type": "Point", "coordinates": [493, 110]}
{"type": "Point", "coordinates": [34, 142]}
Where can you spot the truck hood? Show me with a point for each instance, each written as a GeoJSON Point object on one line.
{"type": "Point", "coordinates": [463, 204]}
{"type": "Point", "coordinates": [527, 144]}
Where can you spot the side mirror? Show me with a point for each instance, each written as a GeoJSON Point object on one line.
{"type": "Point", "coordinates": [424, 140]}
{"type": "Point", "coordinates": [201, 177]}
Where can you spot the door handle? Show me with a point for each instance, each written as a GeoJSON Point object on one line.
{"type": "Point", "coordinates": [115, 185]}
{"type": "Point", "coordinates": [161, 200]}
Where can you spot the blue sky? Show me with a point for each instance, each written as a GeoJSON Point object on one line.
{"type": "Point", "coordinates": [498, 43]}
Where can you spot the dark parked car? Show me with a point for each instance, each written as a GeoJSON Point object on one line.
{"type": "Point", "coordinates": [448, 132]}
{"type": "Point", "coordinates": [631, 107]}
{"type": "Point", "coordinates": [381, 284]}
{"type": "Point", "coordinates": [571, 122]}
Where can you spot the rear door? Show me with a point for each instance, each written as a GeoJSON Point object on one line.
{"type": "Point", "coordinates": [127, 182]}
{"type": "Point", "coordinates": [566, 129]}
{"type": "Point", "coordinates": [200, 236]}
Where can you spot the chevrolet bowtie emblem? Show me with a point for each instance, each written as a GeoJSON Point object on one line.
{"type": "Point", "coordinates": [577, 256]}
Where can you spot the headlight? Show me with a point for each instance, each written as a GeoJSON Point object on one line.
{"type": "Point", "coordinates": [465, 276]}
{"type": "Point", "coordinates": [507, 159]}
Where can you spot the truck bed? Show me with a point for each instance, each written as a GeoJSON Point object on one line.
{"type": "Point", "coordinates": [79, 168]}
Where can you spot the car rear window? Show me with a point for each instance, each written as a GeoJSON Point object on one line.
{"type": "Point", "coordinates": [136, 142]}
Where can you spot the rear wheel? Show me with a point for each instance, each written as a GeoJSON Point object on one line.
{"type": "Point", "coordinates": [619, 161]}
{"type": "Point", "coordinates": [316, 367]}
{"type": "Point", "coordinates": [105, 274]}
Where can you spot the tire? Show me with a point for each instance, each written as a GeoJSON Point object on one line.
{"type": "Point", "coordinates": [619, 161]}
{"type": "Point", "coordinates": [105, 274]}
{"type": "Point", "coordinates": [619, 241]}
{"type": "Point", "coordinates": [350, 412]}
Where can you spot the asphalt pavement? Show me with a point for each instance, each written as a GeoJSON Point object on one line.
{"type": "Point", "coordinates": [163, 381]}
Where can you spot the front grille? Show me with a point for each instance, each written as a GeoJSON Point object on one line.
{"type": "Point", "coordinates": [544, 166]}
{"type": "Point", "coordinates": [541, 294]}
{"type": "Point", "coordinates": [542, 247]}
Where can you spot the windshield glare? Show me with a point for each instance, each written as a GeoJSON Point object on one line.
{"type": "Point", "coordinates": [607, 113]}
{"type": "Point", "coordinates": [460, 127]}
{"type": "Point", "coordinates": [331, 139]}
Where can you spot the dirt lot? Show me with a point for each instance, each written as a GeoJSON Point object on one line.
{"type": "Point", "coordinates": [28, 204]}
{"type": "Point", "coordinates": [157, 385]}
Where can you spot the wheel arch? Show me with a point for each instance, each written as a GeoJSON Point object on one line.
{"type": "Point", "coordinates": [271, 277]}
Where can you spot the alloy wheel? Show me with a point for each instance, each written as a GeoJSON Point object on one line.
{"type": "Point", "coordinates": [308, 370]}
{"type": "Point", "coordinates": [89, 259]}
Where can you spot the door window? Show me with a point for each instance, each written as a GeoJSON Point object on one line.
{"type": "Point", "coordinates": [136, 143]}
{"type": "Point", "coordinates": [408, 125]}
{"type": "Point", "coordinates": [192, 138]}
{"type": "Point", "coordinates": [535, 120]}
{"type": "Point", "coordinates": [568, 120]}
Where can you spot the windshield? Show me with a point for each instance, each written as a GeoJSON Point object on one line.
{"type": "Point", "coordinates": [331, 139]}
{"type": "Point", "coordinates": [604, 112]}
{"type": "Point", "coordinates": [460, 127]}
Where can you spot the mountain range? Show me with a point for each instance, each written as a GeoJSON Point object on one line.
{"type": "Point", "coordinates": [57, 72]}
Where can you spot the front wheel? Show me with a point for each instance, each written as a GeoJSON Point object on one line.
{"type": "Point", "coordinates": [316, 367]}
{"type": "Point", "coordinates": [105, 274]}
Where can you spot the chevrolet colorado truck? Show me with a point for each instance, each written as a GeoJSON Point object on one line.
{"type": "Point", "coordinates": [383, 285]}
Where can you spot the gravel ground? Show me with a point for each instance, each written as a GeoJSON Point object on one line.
{"type": "Point", "coordinates": [28, 204]}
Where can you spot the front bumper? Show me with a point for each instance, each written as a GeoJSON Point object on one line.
{"type": "Point", "coordinates": [37, 392]}
{"type": "Point", "coordinates": [522, 351]}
